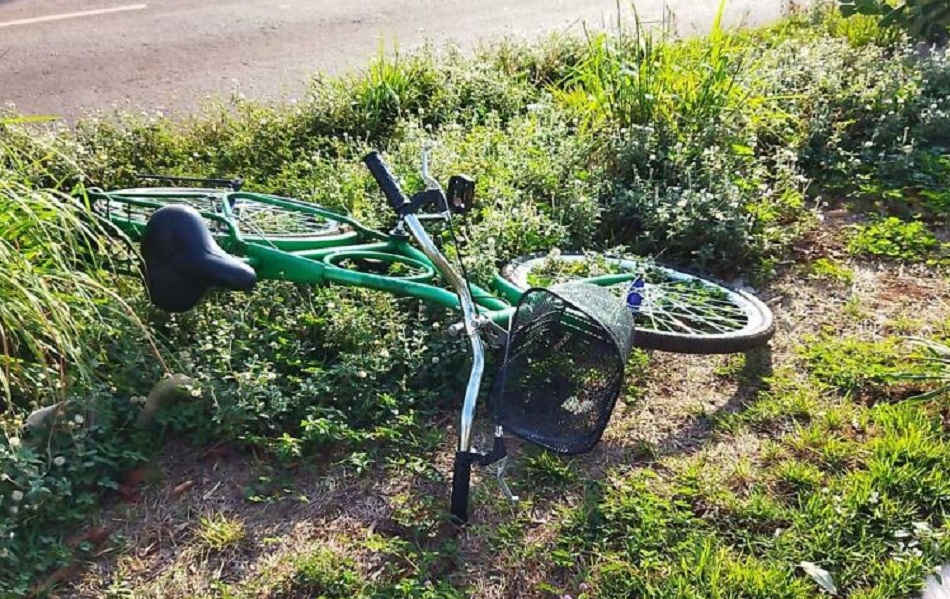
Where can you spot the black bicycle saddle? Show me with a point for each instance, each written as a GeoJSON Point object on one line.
{"type": "Point", "coordinates": [182, 260]}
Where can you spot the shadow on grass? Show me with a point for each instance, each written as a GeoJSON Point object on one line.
{"type": "Point", "coordinates": [690, 438]}
{"type": "Point", "coordinates": [549, 485]}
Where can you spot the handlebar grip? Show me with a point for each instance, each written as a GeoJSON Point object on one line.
{"type": "Point", "coordinates": [384, 177]}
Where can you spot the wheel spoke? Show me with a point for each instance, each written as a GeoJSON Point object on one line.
{"type": "Point", "coordinates": [703, 311]}
{"type": "Point", "coordinates": [667, 306]}
{"type": "Point", "coordinates": [694, 297]}
{"type": "Point", "coordinates": [709, 318]}
{"type": "Point", "coordinates": [722, 312]}
{"type": "Point", "coordinates": [676, 323]}
{"type": "Point", "coordinates": [700, 313]}
{"type": "Point", "coordinates": [266, 220]}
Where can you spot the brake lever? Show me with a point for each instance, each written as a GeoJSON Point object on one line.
{"type": "Point", "coordinates": [431, 183]}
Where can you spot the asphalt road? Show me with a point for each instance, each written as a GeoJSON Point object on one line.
{"type": "Point", "coordinates": [64, 57]}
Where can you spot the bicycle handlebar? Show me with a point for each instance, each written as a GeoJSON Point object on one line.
{"type": "Point", "coordinates": [402, 205]}
{"type": "Point", "coordinates": [387, 182]}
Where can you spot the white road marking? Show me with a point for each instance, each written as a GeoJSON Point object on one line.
{"type": "Point", "coordinates": [72, 15]}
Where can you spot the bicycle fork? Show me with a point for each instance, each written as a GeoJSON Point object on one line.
{"type": "Point", "coordinates": [465, 454]}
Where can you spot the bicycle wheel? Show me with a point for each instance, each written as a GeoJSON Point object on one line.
{"type": "Point", "coordinates": [254, 217]}
{"type": "Point", "coordinates": [271, 220]}
{"type": "Point", "coordinates": [679, 312]}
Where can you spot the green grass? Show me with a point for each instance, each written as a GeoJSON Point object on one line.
{"type": "Point", "coordinates": [786, 398]}
{"type": "Point", "coordinates": [64, 322]}
{"type": "Point", "coordinates": [53, 289]}
{"type": "Point", "coordinates": [323, 573]}
{"type": "Point", "coordinates": [874, 525]}
{"type": "Point", "coordinates": [894, 239]}
{"type": "Point", "coordinates": [680, 86]}
{"type": "Point", "coordinates": [830, 270]}
{"type": "Point", "coordinates": [709, 153]}
{"type": "Point", "coordinates": [218, 532]}
{"type": "Point", "coordinates": [544, 468]}
{"type": "Point", "coordinates": [858, 366]}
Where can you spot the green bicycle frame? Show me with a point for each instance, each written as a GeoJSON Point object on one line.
{"type": "Point", "coordinates": [311, 260]}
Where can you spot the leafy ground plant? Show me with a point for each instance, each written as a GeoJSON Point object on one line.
{"type": "Point", "coordinates": [895, 239]}
{"type": "Point", "coordinates": [831, 270]}
{"type": "Point", "coordinates": [926, 20]}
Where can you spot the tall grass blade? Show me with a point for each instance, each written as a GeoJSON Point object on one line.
{"type": "Point", "coordinates": [59, 301]}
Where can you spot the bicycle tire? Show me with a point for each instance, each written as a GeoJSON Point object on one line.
{"type": "Point", "coordinates": [757, 328]}
{"type": "Point", "coordinates": [256, 219]}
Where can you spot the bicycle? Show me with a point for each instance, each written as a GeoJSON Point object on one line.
{"type": "Point", "coordinates": [562, 324]}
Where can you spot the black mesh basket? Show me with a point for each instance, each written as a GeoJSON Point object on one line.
{"type": "Point", "coordinates": [563, 367]}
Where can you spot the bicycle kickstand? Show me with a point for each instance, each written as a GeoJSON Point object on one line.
{"type": "Point", "coordinates": [499, 456]}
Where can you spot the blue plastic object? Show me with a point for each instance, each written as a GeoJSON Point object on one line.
{"type": "Point", "coordinates": [635, 294]}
